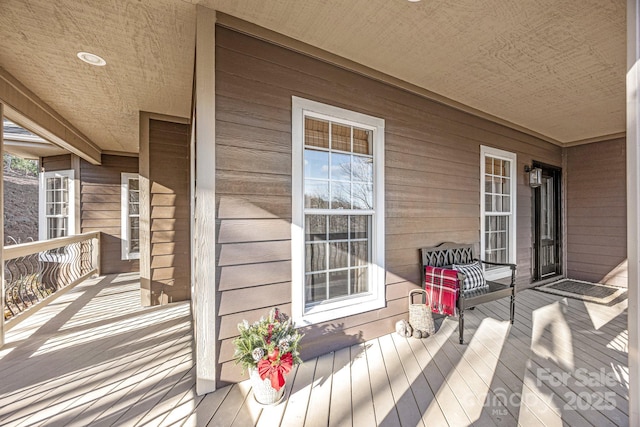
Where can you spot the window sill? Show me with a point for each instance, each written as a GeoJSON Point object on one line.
{"type": "Point", "coordinates": [321, 314]}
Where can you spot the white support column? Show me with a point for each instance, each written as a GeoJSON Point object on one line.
{"type": "Point", "coordinates": [633, 204]}
{"type": "Point", "coordinates": [1, 227]}
{"type": "Point", "coordinates": [204, 204]}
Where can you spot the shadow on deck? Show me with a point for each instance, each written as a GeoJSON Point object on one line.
{"type": "Point", "coordinates": [95, 357]}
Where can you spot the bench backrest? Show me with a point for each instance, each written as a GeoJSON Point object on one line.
{"type": "Point", "coordinates": [446, 254]}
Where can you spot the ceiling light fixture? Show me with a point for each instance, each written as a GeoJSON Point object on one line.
{"type": "Point", "coordinates": [92, 59]}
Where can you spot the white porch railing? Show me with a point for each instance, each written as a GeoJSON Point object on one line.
{"type": "Point", "coordinates": [34, 271]}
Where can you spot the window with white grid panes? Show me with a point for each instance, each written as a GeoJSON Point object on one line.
{"type": "Point", "coordinates": [498, 207]}
{"type": "Point", "coordinates": [341, 239]}
{"type": "Point", "coordinates": [130, 231]}
{"type": "Point", "coordinates": [56, 204]}
{"type": "Point", "coordinates": [338, 179]}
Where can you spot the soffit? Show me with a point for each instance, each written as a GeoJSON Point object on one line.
{"type": "Point", "coordinates": [148, 46]}
{"type": "Point", "coordinates": [555, 67]}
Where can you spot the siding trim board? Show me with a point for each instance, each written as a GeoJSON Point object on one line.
{"type": "Point", "coordinates": [432, 178]}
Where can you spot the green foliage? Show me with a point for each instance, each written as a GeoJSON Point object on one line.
{"type": "Point", "coordinates": [260, 340]}
{"type": "Point", "coordinates": [20, 165]}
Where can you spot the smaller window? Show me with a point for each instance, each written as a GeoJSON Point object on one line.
{"type": "Point", "coordinates": [498, 209]}
{"type": "Point", "coordinates": [130, 232]}
{"type": "Point", "coordinates": [56, 202]}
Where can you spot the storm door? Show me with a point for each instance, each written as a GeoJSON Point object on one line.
{"type": "Point", "coordinates": [547, 224]}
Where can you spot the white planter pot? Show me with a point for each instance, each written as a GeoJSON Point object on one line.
{"type": "Point", "coordinates": [262, 390]}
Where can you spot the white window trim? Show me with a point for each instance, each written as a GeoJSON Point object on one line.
{"type": "Point", "coordinates": [124, 217]}
{"type": "Point", "coordinates": [42, 197]}
{"type": "Point", "coordinates": [499, 273]}
{"type": "Point", "coordinates": [376, 298]}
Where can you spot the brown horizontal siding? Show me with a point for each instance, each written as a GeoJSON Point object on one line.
{"type": "Point", "coordinates": [251, 230]}
{"type": "Point", "coordinates": [237, 277]}
{"type": "Point", "coordinates": [169, 206]}
{"type": "Point", "coordinates": [254, 252]}
{"type": "Point", "coordinates": [254, 207]}
{"type": "Point", "coordinates": [597, 212]}
{"type": "Point", "coordinates": [100, 210]}
{"type": "Point", "coordinates": [432, 173]}
{"type": "Point", "coordinates": [56, 163]}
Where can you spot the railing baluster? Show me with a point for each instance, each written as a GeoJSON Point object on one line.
{"type": "Point", "coordinates": [35, 270]}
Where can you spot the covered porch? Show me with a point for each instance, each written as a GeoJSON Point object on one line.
{"type": "Point", "coordinates": [95, 357]}
{"type": "Point", "coordinates": [204, 127]}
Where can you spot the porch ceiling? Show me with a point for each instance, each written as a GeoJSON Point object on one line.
{"type": "Point", "coordinates": [554, 67]}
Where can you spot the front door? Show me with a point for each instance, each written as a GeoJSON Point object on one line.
{"type": "Point", "coordinates": [547, 211]}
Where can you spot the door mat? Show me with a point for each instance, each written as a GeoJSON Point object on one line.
{"type": "Point", "coordinates": [586, 291]}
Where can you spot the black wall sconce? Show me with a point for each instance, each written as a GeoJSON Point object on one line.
{"type": "Point", "coordinates": [535, 176]}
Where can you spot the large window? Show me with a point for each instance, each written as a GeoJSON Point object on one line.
{"type": "Point", "coordinates": [498, 209]}
{"type": "Point", "coordinates": [130, 202]}
{"type": "Point", "coordinates": [338, 210]}
{"type": "Point", "coordinates": [56, 204]}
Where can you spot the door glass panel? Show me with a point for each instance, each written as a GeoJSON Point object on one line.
{"type": "Point", "coordinates": [547, 209]}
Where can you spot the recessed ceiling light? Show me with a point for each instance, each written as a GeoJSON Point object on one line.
{"type": "Point", "coordinates": [92, 59]}
{"type": "Point", "coordinates": [414, 1]}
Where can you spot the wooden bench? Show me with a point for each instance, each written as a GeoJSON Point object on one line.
{"type": "Point", "coordinates": [447, 254]}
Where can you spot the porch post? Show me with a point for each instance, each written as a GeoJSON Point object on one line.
{"type": "Point", "coordinates": [204, 206]}
{"type": "Point", "coordinates": [633, 204]}
{"type": "Point", "coordinates": [2, 227]}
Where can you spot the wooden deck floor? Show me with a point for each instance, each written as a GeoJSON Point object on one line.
{"type": "Point", "coordinates": [94, 357]}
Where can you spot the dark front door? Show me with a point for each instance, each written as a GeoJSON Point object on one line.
{"type": "Point", "coordinates": [547, 211]}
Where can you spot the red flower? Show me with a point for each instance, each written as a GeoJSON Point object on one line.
{"type": "Point", "coordinates": [275, 367]}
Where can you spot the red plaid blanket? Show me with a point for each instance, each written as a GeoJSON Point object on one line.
{"type": "Point", "coordinates": [442, 289]}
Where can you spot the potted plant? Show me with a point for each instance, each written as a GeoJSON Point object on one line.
{"type": "Point", "coordinates": [268, 349]}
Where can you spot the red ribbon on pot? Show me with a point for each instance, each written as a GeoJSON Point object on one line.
{"type": "Point", "coordinates": [275, 368]}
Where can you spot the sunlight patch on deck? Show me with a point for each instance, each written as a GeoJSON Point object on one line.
{"type": "Point", "coordinates": [128, 324]}
{"type": "Point", "coordinates": [477, 397]}
{"type": "Point", "coordinates": [550, 320]}
{"type": "Point", "coordinates": [601, 315]}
